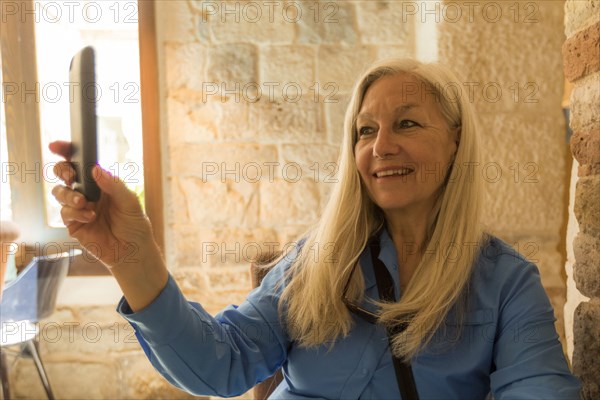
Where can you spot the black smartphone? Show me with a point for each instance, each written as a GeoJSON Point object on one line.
{"type": "Point", "coordinates": [84, 128]}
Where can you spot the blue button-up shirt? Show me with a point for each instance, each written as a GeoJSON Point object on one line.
{"type": "Point", "coordinates": [507, 343]}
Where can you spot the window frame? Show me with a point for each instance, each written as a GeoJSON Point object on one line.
{"type": "Point", "coordinates": [19, 66]}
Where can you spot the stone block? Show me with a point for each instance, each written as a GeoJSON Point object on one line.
{"type": "Point", "coordinates": [273, 117]}
{"type": "Point", "coordinates": [213, 115]}
{"type": "Point", "coordinates": [393, 51]}
{"type": "Point", "coordinates": [512, 163]}
{"type": "Point", "coordinates": [233, 122]}
{"type": "Point", "coordinates": [335, 111]}
{"type": "Point", "coordinates": [214, 203]}
{"type": "Point", "coordinates": [202, 32]}
{"type": "Point", "coordinates": [386, 22]}
{"type": "Point", "coordinates": [581, 53]}
{"type": "Point", "coordinates": [179, 122]}
{"type": "Point", "coordinates": [70, 380]}
{"type": "Point", "coordinates": [255, 21]}
{"type": "Point", "coordinates": [587, 264]}
{"type": "Point", "coordinates": [231, 278]}
{"type": "Point", "coordinates": [586, 170]}
{"type": "Point", "coordinates": [191, 119]}
{"type": "Point", "coordinates": [232, 65]}
{"type": "Point", "coordinates": [191, 280]}
{"type": "Point", "coordinates": [212, 161]}
{"type": "Point", "coordinates": [234, 247]}
{"type": "Point", "coordinates": [229, 245]}
{"type": "Point", "coordinates": [585, 102]}
{"type": "Point", "coordinates": [176, 204]}
{"type": "Point", "coordinates": [186, 245]}
{"type": "Point", "coordinates": [185, 66]}
{"type": "Point", "coordinates": [299, 202]}
{"type": "Point", "coordinates": [289, 65]}
{"type": "Point", "coordinates": [199, 7]}
{"type": "Point", "coordinates": [587, 206]}
{"type": "Point", "coordinates": [182, 253]}
{"type": "Point", "coordinates": [317, 161]}
{"type": "Point", "coordinates": [342, 66]}
{"type": "Point", "coordinates": [24, 380]}
{"type": "Point", "coordinates": [176, 20]}
{"type": "Point", "coordinates": [86, 341]}
{"type": "Point", "coordinates": [513, 64]}
{"type": "Point", "coordinates": [586, 150]}
{"type": "Point", "coordinates": [327, 22]}
{"type": "Point", "coordinates": [580, 14]}
{"type": "Point", "coordinates": [101, 315]}
{"type": "Point", "coordinates": [86, 331]}
{"type": "Point", "coordinates": [63, 313]}
{"type": "Point", "coordinates": [286, 121]}
{"type": "Point", "coordinates": [543, 252]}
{"type": "Point", "coordinates": [586, 331]}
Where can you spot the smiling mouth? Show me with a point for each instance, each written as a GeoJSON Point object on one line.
{"type": "Point", "coordinates": [393, 172]}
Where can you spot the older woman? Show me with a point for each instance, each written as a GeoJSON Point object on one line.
{"type": "Point", "coordinates": [465, 315]}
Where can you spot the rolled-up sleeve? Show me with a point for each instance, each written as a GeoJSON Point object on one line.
{"type": "Point", "coordinates": [223, 355]}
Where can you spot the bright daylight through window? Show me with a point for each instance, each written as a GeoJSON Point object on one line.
{"type": "Point", "coordinates": [5, 209]}
{"type": "Point", "coordinates": [111, 28]}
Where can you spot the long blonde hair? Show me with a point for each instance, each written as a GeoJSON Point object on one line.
{"type": "Point", "coordinates": [312, 300]}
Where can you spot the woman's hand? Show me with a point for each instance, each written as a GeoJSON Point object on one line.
{"type": "Point", "coordinates": [114, 229]}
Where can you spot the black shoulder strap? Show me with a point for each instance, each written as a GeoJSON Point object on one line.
{"type": "Point", "coordinates": [385, 285]}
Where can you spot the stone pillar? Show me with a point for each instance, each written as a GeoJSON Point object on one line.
{"type": "Point", "coordinates": [581, 54]}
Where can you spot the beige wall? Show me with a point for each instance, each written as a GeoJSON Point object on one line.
{"type": "Point", "coordinates": [214, 225]}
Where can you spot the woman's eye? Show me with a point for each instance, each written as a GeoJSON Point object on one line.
{"type": "Point", "coordinates": [365, 130]}
{"type": "Point", "coordinates": [406, 123]}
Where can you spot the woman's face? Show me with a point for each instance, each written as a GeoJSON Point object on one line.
{"type": "Point", "coordinates": [404, 146]}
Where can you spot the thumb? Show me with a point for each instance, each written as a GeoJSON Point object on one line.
{"type": "Point", "coordinates": [113, 186]}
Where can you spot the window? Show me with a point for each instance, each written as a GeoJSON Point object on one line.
{"type": "Point", "coordinates": [44, 33]}
{"type": "Point", "coordinates": [112, 29]}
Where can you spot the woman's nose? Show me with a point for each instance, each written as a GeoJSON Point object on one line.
{"type": "Point", "coordinates": [385, 144]}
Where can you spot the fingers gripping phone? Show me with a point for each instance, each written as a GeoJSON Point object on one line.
{"type": "Point", "coordinates": [83, 122]}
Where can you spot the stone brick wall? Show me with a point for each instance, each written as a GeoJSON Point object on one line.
{"type": "Point", "coordinates": [581, 55]}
